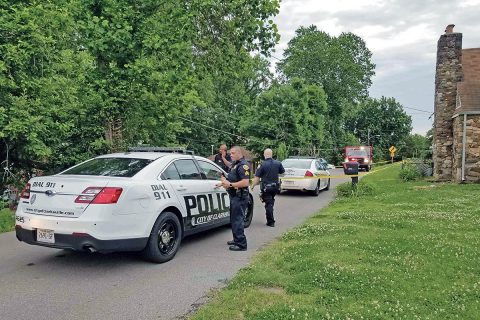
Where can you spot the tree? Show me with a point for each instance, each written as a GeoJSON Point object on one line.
{"type": "Point", "coordinates": [416, 146]}
{"type": "Point", "coordinates": [231, 39]}
{"type": "Point", "coordinates": [382, 120]}
{"type": "Point", "coordinates": [340, 65]}
{"type": "Point", "coordinates": [282, 151]}
{"type": "Point", "coordinates": [47, 100]}
{"type": "Point", "coordinates": [291, 113]}
{"type": "Point", "coordinates": [79, 78]}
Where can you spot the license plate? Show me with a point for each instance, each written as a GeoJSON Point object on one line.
{"type": "Point", "coordinates": [288, 182]}
{"type": "Point", "coordinates": [46, 236]}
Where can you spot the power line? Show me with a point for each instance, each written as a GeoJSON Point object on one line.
{"type": "Point", "coordinates": [209, 127]}
{"type": "Point", "coordinates": [429, 112]}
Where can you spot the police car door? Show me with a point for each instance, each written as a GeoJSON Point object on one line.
{"type": "Point", "coordinates": [220, 202]}
{"type": "Point", "coordinates": [195, 194]}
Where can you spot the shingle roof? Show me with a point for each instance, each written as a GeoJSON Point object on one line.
{"type": "Point", "coordinates": [468, 96]}
{"type": "Point", "coordinates": [468, 91]}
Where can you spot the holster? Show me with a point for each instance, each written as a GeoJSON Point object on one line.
{"type": "Point", "coordinates": [270, 187]}
{"type": "Point", "coordinates": [241, 193]}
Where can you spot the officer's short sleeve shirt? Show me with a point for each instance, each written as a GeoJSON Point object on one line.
{"type": "Point", "coordinates": [240, 171]}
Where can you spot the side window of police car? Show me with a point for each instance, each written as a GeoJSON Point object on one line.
{"type": "Point", "coordinates": [318, 165]}
{"type": "Point", "coordinates": [212, 172]}
{"type": "Point", "coordinates": [188, 170]}
{"type": "Point", "coordinates": [171, 173]}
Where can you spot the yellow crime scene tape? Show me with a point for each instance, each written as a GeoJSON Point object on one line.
{"type": "Point", "coordinates": [381, 162]}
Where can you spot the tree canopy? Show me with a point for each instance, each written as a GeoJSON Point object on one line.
{"type": "Point", "coordinates": [82, 78]}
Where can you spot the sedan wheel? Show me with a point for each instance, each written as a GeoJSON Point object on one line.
{"type": "Point", "coordinates": [164, 239]}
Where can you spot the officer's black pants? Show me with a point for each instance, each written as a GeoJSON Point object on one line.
{"type": "Point", "coordinates": [238, 207]}
{"type": "Point", "coordinates": [269, 200]}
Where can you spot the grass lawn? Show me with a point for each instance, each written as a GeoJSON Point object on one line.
{"type": "Point", "coordinates": [410, 251]}
{"type": "Point", "coordinates": [7, 220]}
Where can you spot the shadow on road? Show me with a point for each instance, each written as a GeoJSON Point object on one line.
{"type": "Point", "coordinates": [298, 193]}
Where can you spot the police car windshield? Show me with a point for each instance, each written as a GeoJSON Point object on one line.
{"type": "Point", "coordinates": [297, 163]}
{"type": "Point", "coordinates": [110, 167]}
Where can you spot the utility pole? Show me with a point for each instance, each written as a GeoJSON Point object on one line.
{"type": "Point", "coordinates": [368, 137]}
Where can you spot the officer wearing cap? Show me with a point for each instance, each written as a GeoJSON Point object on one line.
{"type": "Point", "coordinates": [270, 185]}
{"type": "Point", "coordinates": [223, 159]}
{"type": "Point", "coordinates": [236, 185]}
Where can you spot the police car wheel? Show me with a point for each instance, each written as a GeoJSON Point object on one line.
{"type": "Point", "coordinates": [164, 239]}
{"type": "Point", "coordinates": [328, 185]}
{"type": "Point", "coordinates": [316, 192]}
{"type": "Point", "coordinates": [249, 216]}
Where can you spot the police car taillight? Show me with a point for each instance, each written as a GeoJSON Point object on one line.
{"type": "Point", "coordinates": [99, 195]}
{"type": "Point", "coordinates": [26, 192]}
{"type": "Point", "coordinates": [308, 174]}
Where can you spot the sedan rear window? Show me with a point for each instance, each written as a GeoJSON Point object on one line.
{"type": "Point", "coordinates": [111, 167]}
{"type": "Point", "coordinates": [297, 163]}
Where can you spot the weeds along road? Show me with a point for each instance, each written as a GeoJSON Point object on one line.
{"type": "Point", "coordinates": [43, 283]}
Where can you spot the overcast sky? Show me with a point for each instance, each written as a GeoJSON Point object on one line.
{"type": "Point", "coordinates": [402, 35]}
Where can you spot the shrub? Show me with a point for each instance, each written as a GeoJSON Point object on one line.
{"type": "Point", "coordinates": [409, 172]}
{"type": "Point", "coordinates": [361, 189]}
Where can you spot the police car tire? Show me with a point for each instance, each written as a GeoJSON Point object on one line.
{"type": "Point", "coordinates": [328, 185]}
{"type": "Point", "coordinates": [249, 216]}
{"type": "Point", "coordinates": [152, 251]}
{"type": "Point", "coordinates": [316, 192]}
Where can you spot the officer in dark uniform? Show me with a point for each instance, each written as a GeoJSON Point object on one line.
{"type": "Point", "coordinates": [236, 184]}
{"type": "Point", "coordinates": [223, 159]}
{"type": "Point", "coordinates": [270, 185]}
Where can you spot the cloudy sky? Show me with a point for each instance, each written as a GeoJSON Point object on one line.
{"type": "Point", "coordinates": [402, 35]}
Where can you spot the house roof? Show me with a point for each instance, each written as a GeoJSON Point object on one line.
{"type": "Point", "coordinates": [468, 96]}
{"type": "Point", "coordinates": [468, 90]}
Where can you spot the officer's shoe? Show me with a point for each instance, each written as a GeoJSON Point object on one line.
{"type": "Point", "coordinates": [231, 242]}
{"type": "Point", "coordinates": [271, 224]}
{"type": "Point", "coordinates": [237, 248]}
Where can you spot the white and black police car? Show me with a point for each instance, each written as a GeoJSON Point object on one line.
{"type": "Point", "coordinates": [146, 200]}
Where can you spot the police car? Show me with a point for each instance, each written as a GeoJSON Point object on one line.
{"type": "Point", "coordinates": [146, 199]}
{"type": "Point", "coordinates": [305, 174]}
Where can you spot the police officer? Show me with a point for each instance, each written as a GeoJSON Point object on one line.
{"type": "Point", "coordinates": [223, 159]}
{"type": "Point", "coordinates": [270, 185]}
{"type": "Point", "coordinates": [236, 185]}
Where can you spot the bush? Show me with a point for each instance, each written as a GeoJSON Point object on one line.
{"type": "Point", "coordinates": [409, 172]}
{"type": "Point", "coordinates": [361, 189]}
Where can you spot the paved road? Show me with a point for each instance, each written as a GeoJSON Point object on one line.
{"type": "Point", "coordinates": [43, 283]}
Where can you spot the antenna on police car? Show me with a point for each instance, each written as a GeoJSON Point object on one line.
{"type": "Point", "coordinates": [161, 149]}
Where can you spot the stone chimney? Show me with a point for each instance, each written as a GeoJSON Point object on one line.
{"type": "Point", "coordinates": [448, 73]}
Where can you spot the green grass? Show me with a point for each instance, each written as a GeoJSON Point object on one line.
{"type": "Point", "coordinates": [409, 251]}
{"type": "Point", "coordinates": [7, 220]}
